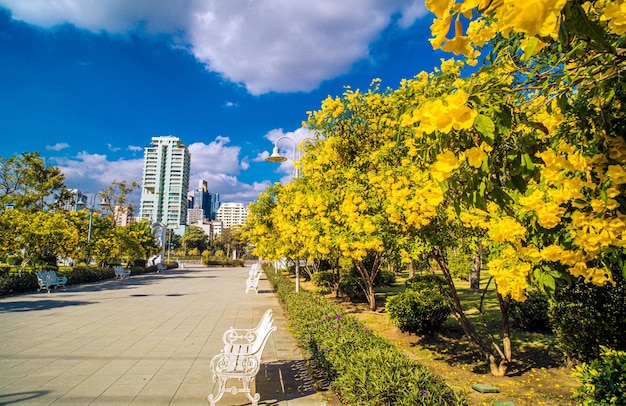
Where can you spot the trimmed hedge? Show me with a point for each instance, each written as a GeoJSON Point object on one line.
{"type": "Point", "coordinates": [364, 369]}
{"type": "Point", "coordinates": [12, 283]}
{"type": "Point", "coordinates": [418, 312]}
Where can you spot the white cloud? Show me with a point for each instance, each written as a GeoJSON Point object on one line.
{"type": "Point", "coordinates": [216, 157]}
{"type": "Point", "coordinates": [57, 147]}
{"type": "Point", "coordinates": [269, 45]}
{"type": "Point", "coordinates": [290, 146]}
{"type": "Point", "coordinates": [92, 172]}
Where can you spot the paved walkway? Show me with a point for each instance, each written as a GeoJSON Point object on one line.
{"type": "Point", "coordinates": [146, 340]}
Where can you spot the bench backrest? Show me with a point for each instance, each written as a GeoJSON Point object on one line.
{"type": "Point", "coordinates": [249, 336]}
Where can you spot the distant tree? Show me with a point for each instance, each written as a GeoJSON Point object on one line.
{"type": "Point", "coordinates": [195, 237]}
{"type": "Point", "coordinates": [117, 194]}
{"type": "Point", "coordinates": [26, 183]}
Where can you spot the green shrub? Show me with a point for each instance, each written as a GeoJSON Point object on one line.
{"type": "Point", "coordinates": [603, 381]}
{"type": "Point", "coordinates": [364, 369]}
{"type": "Point", "coordinates": [349, 286]}
{"type": "Point", "coordinates": [585, 316]}
{"type": "Point", "coordinates": [531, 314]}
{"type": "Point", "coordinates": [12, 284]}
{"type": "Point", "coordinates": [425, 281]}
{"type": "Point", "coordinates": [419, 312]}
{"type": "Point", "coordinates": [384, 278]}
{"type": "Point", "coordinates": [323, 279]}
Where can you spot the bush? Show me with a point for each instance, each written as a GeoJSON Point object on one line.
{"type": "Point", "coordinates": [349, 286]}
{"type": "Point", "coordinates": [603, 381]}
{"type": "Point", "coordinates": [12, 284]}
{"type": "Point", "coordinates": [384, 278]}
{"type": "Point", "coordinates": [364, 369]}
{"type": "Point", "coordinates": [323, 279]}
{"type": "Point", "coordinates": [585, 316]}
{"type": "Point", "coordinates": [419, 312]}
{"type": "Point", "coordinates": [425, 281]}
{"type": "Point", "coordinates": [531, 314]}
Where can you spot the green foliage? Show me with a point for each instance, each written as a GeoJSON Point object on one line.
{"type": "Point", "coordinates": [531, 314]}
{"type": "Point", "coordinates": [419, 312]}
{"type": "Point", "coordinates": [364, 368]}
{"type": "Point", "coordinates": [586, 316]}
{"type": "Point", "coordinates": [425, 281]}
{"type": "Point", "coordinates": [460, 263]}
{"type": "Point", "coordinates": [83, 274]}
{"type": "Point", "coordinates": [12, 284]}
{"type": "Point", "coordinates": [603, 380]}
{"type": "Point", "coordinates": [323, 279]}
{"type": "Point", "coordinates": [384, 278]}
{"type": "Point", "coordinates": [350, 286]}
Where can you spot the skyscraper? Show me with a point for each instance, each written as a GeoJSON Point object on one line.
{"type": "Point", "coordinates": [232, 214]}
{"type": "Point", "coordinates": [165, 183]}
{"type": "Point", "coordinates": [203, 204]}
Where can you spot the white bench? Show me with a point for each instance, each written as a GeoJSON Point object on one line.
{"type": "Point", "coordinates": [252, 283]}
{"type": "Point", "coordinates": [121, 272]}
{"type": "Point", "coordinates": [241, 358]}
{"type": "Point", "coordinates": [50, 279]}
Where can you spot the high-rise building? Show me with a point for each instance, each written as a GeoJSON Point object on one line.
{"type": "Point", "coordinates": [165, 183]}
{"type": "Point", "coordinates": [232, 214]}
{"type": "Point", "coordinates": [203, 203]}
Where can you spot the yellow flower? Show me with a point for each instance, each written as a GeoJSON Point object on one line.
{"type": "Point", "coordinates": [475, 157]}
{"type": "Point", "coordinates": [617, 174]}
{"type": "Point", "coordinates": [550, 215]}
{"type": "Point", "coordinates": [615, 13]}
{"type": "Point", "coordinates": [552, 253]}
{"type": "Point", "coordinates": [445, 165]}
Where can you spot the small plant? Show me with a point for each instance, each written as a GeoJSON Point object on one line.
{"type": "Point", "coordinates": [419, 312]}
{"type": "Point", "coordinates": [603, 380]}
{"type": "Point", "coordinates": [349, 286]}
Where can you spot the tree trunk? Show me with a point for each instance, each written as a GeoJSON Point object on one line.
{"type": "Point", "coordinates": [367, 279]}
{"type": "Point", "coordinates": [477, 263]}
{"type": "Point", "coordinates": [497, 360]}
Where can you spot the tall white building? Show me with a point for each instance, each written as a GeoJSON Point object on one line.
{"type": "Point", "coordinates": [165, 183]}
{"type": "Point", "coordinates": [232, 214]}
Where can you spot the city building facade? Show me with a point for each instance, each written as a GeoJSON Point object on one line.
{"type": "Point", "coordinates": [232, 214]}
{"type": "Point", "coordinates": [165, 183]}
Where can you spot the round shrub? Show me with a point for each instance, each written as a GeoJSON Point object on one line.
{"type": "Point", "coordinates": [531, 314]}
{"type": "Point", "coordinates": [425, 281]}
{"type": "Point", "coordinates": [419, 312]}
{"type": "Point", "coordinates": [585, 316]}
{"type": "Point", "coordinates": [323, 279]}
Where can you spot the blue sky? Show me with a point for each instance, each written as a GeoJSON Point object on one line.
{"type": "Point", "coordinates": [88, 83]}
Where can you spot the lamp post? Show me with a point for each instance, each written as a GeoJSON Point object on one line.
{"type": "Point", "coordinates": [161, 237]}
{"type": "Point", "coordinates": [91, 202]}
{"type": "Point", "coordinates": [296, 156]}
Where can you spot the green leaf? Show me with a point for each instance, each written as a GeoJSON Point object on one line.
{"type": "Point", "coordinates": [531, 45]}
{"type": "Point", "coordinates": [485, 126]}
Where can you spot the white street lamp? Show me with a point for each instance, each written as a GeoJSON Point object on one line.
{"type": "Point", "coordinates": [296, 156]}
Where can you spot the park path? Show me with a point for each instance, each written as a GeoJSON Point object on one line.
{"type": "Point", "coordinates": [145, 340]}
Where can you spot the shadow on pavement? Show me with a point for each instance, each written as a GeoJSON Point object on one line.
{"type": "Point", "coordinates": [284, 380]}
{"type": "Point", "coordinates": [30, 305]}
{"type": "Point", "coordinates": [19, 397]}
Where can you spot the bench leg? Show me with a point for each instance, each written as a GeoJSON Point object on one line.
{"type": "Point", "coordinates": [221, 383]}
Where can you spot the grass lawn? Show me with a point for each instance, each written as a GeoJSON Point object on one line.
{"type": "Point", "coordinates": [536, 376]}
